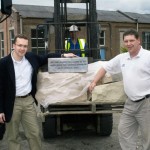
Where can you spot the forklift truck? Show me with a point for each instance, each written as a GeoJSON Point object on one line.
{"type": "Point", "coordinates": [78, 115]}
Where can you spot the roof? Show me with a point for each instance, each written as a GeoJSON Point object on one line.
{"type": "Point", "coordinates": [34, 11]}
{"type": "Point", "coordinates": [141, 18]}
{"type": "Point", "coordinates": [112, 16]}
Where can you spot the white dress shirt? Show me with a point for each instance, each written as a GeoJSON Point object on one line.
{"type": "Point", "coordinates": [23, 75]}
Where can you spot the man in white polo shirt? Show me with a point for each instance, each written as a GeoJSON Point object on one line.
{"type": "Point", "coordinates": [135, 68]}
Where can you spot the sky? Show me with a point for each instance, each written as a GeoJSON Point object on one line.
{"type": "Point", "coordinates": [138, 6]}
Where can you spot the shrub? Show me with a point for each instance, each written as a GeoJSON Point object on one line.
{"type": "Point", "coordinates": [124, 49]}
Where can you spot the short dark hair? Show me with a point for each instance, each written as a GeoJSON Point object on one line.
{"type": "Point", "coordinates": [20, 36]}
{"type": "Point", "coordinates": [131, 32]}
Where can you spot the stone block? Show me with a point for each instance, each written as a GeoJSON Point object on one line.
{"type": "Point", "coordinates": [109, 93]}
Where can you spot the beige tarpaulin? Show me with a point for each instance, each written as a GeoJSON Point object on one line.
{"type": "Point", "coordinates": [66, 87]}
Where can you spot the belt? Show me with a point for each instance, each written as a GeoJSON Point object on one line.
{"type": "Point", "coordinates": [24, 96]}
{"type": "Point", "coordinates": [146, 96]}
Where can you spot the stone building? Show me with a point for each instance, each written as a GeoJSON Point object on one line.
{"type": "Point", "coordinates": [31, 20]}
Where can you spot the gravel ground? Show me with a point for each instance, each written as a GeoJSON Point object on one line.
{"type": "Point", "coordinates": [77, 140]}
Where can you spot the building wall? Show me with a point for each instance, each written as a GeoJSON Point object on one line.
{"type": "Point", "coordinates": [112, 30]}
{"type": "Point", "coordinates": [113, 39]}
{"type": "Point", "coordinates": [28, 24]}
{"type": "Point", "coordinates": [10, 23]}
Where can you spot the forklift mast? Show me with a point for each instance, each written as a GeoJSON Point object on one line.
{"type": "Point", "coordinates": [92, 28]}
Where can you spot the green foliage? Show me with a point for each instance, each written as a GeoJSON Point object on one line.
{"type": "Point", "coordinates": [123, 49]}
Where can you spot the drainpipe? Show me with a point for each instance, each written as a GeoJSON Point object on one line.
{"type": "Point", "coordinates": [21, 25]}
{"type": "Point", "coordinates": [7, 45]}
{"type": "Point", "coordinates": [130, 17]}
{"type": "Point", "coordinates": [110, 36]}
{"type": "Point", "coordinates": [137, 24]}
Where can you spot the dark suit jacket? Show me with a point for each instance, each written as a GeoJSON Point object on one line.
{"type": "Point", "coordinates": [8, 84]}
{"type": "Point", "coordinates": [2, 130]}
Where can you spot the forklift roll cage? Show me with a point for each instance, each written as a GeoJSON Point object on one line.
{"type": "Point", "coordinates": [61, 24]}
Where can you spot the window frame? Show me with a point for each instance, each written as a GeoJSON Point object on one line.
{"type": "Point", "coordinates": [11, 38]}
{"type": "Point", "coordinates": [146, 40]}
{"type": "Point", "coordinates": [2, 53]}
{"type": "Point", "coordinates": [36, 38]}
{"type": "Point", "coordinates": [102, 38]}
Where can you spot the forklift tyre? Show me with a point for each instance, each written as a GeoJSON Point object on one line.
{"type": "Point", "coordinates": [49, 127]}
{"type": "Point", "coordinates": [104, 124]}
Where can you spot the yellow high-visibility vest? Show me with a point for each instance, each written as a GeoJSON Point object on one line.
{"type": "Point", "coordinates": [81, 44]}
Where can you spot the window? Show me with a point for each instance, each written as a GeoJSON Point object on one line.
{"type": "Point", "coordinates": [102, 38]}
{"type": "Point", "coordinates": [38, 44]}
{"type": "Point", "coordinates": [122, 47]}
{"type": "Point", "coordinates": [11, 35]}
{"type": "Point", "coordinates": [102, 45]}
{"type": "Point", "coordinates": [1, 44]}
{"type": "Point", "coordinates": [146, 40]}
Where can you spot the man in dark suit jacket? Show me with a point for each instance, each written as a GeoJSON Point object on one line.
{"type": "Point", "coordinates": [18, 77]}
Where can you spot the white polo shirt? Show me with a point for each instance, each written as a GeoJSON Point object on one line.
{"type": "Point", "coordinates": [135, 72]}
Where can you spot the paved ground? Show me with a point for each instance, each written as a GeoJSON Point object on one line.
{"type": "Point", "coordinates": [77, 140]}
